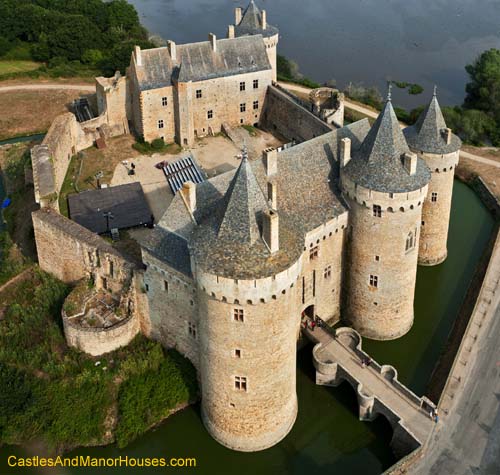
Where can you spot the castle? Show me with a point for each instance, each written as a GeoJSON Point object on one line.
{"type": "Point", "coordinates": [333, 227]}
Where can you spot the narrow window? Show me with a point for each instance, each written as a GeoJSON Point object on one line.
{"type": "Point", "coordinates": [313, 253]}
{"type": "Point", "coordinates": [165, 286]}
{"type": "Point", "coordinates": [238, 315]}
{"type": "Point", "coordinates": [160, 124]}
{"type": "Point", "coordinates": [391, 195]}
{"type": "Point", "coordinates": [410, 242]}
{"type": "Point", "coordinates": [434, 197]}
{"type": "Point", "coordinates": [243, 107]}
{"type": "Point", "coordinates": [210, 114]}
{"type": "Point", "coordinates": [377, 211]}
{"type": "Point", "coordinates": [373, 280]}
{"type": "Point", "coordinates": [423, 223]}
{"type": "Point", "coordinates": [164, 101]}
{"type": "Point", "coordinates": [192, 330]}
{"type": "Point", "coordinates": [146, 286]}
{"type": "Point", "coordinates": [111, 269]}
{"type": "Point", "coordinates": [104, 283]}
{"type": "Point", "coordinates": [242, 86]}
{"type": "Point", "coordinates": [327, 273]}
{"type": "Point", "coordinates": [256, 84]}
{"type": "Point", "coordinates": [237, 353]}
{"type": "Point", "coordinates": [255, 105]}
{"type": "Point", "coordinates": [199, 95]}
{"type": "Point", "coordinates": [377, 258]}
{"type": "Point", "coordinates": [240, 383]}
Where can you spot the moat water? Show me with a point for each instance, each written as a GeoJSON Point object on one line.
{"type": "Point", "coordinates": [419, 41]}
{"type": "Point", "coordinates": [328, 437]}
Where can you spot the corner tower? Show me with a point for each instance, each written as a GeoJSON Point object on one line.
{"type": "Point", "coordinates": [440, 149]}
{"type": "Point", "coordinates": [253, 21]}
{"type": "Point", "coordinates": [384, 185]}
{"type": "Point", "coordinates": [246, 259]}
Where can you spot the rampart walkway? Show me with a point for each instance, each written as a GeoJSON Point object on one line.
{"type": "Point", "coordinates": [340, 358]}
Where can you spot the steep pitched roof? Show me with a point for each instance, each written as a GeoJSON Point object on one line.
{"type": "Point", "coordinates": [378, 163]}
{"type": "Point", "coordinates": [427, 133]}
{"type": "Point", "coordinates": [251, 23]}
{"type": "Point", "coordinates": [242, 206]}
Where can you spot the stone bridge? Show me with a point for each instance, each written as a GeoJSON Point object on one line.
{"type": "Point", "coordinates": [338, 357]}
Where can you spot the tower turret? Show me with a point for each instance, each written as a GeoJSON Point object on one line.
{"type": "Point", "coordinates": [385, 186]}
{"type": "Point", "coordinates": [253, 21]}
{"type": "Point", "coordinates": [249, 325]}
{"type": "Point", "coordinates": [434, 142]}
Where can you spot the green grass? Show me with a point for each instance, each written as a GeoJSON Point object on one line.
{"type": "Point", "coordinates": [252, 131]}
{"type": "Point", "coordinates": [17, 66]}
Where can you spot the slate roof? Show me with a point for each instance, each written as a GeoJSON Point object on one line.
{"type": "Point", "coordinates": [127, 203]}
{"type": "Point", "coordinates": [198, 62]}
{"type": "Point", "coordinates": [426, 135]}
{"type": "Point", "coordinates": [378, 165]}
{"type": "Point", "coordinates": [251, 23]}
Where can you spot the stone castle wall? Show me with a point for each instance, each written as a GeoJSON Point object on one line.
{"type": "Point", "coordinates": [437, 208]}
{"type": "Point", "coordinates": [285, 116]}
{"type": "Point", "coordinates": [271, 50]}
{"type": "Point", "coordinates": [378, 248]}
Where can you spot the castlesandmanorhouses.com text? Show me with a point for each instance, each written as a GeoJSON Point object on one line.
{"type": "Point", "coordinates": [88, 461]}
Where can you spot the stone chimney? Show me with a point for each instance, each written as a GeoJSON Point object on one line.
{"type": "Point", "coordinates": [345, 151]}
{"type": "Point", "coordinates": [272, 195]}
{"type": "Point", "coordinates": [213, 41]}
{"type": "Point", "coordinates": [270, 230]}
{"type": "Point", "coordinates": [230, 31]}
{"type": "Point", "coordinates": [172, 49]}
{"type": "Point", "coordinates": [138, 55]}
{"type": "Point", "coordinates": [447, 136]}
{"type": "Point", "coordinates": [264, 19]}
{"type": "Point", "coordinates": [271, 161]}
{"type": "Point", "coordinates": [189, 193]}
{"type": "Point", "coordinates": [410, 163]}
{"type": "Point", "coordinates": [237, 16]}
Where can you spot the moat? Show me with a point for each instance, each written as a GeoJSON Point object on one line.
{"type": "Point", "coordinates": [327, 434]}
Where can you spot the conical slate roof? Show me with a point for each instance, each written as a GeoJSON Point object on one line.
{"type": "Point", "coordinates": [378, 163]}
{"type": "Point", "coordinates": [251, 23]}
{"type": "Point", "coordinates": [427, 134]}
{"type": "Point", "coordinates": [242, 206]}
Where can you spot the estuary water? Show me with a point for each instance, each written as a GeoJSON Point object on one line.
{"type": "Point", "coordinates": [419, 41]}
{"type": "Point", "coordinates": [327, 437]}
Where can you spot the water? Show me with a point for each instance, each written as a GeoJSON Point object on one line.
{"type": "Point", "coordinates": [328, 437]}
{"type": "Point", "coordinates": [369, 41]}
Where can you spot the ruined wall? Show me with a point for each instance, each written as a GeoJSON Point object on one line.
{"type": "Point", "coordinates": [113, 103]}
{"type": "Point", "coordinates": [285, 116]}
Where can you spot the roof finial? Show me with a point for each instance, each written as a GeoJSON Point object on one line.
{"type": "Point", "coordinates": [435, 90]}
{"type": "Point", "coordinates": [244, 151]}
{"type": "Point", "coordinates": [389, 91]}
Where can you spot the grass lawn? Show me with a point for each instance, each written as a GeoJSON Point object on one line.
{"type": "Point", "coordinates": [17, 66]}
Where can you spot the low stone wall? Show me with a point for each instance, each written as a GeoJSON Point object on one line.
{"type": "Point", "coordinates": [288, 116]}
{"type": "Point", "coordinates": [488, 198]}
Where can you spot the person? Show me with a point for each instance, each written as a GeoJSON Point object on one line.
{"type": "Point", "coordinates": [436, 418]}
{"type": "Point", "coordinates": [368, 361]}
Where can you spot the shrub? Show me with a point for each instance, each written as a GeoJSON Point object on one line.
{"type": "Point", "coordinates": [415, 89]}
{"type": "Point", "coordinates": [158, 144]}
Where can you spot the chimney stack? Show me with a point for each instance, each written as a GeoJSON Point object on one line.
{"type": "Point", "coordinates": [213, 41]}
{"type": "Point", "coordinates": [345, 152]}
{"type": "Point", "coordinates": [230, 31]}
{"type": "Point", "coordinates": [138, 55]}
{"type": "Point", "coordinates": [237, 16]}
{"type": "Point", "coordinates": [264, 19]}
{"type": "Point", "coordinates": [172, 49]}
{"type": "Point", "coordinates": [410, 163]}
{"type": "Point", "coordinates": [447, 135]}
{"type": "Point", "coordinates": [271, 161]}
{"type": "Point", "coordinates": [270, 230]}
{"type": "Point", "coordinates": [272, 195]}
{"type": "Point", "coordinates": [189, 193]}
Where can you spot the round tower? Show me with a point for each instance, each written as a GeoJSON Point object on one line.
{"type": "Point", "coordinates": [253, 21]}
{"type": "Point", "coordinates": [385, 186]}
{"type": "Point", "coordinates": [431, 140]}
{"type": "Point", "coordinates": [248, 324]}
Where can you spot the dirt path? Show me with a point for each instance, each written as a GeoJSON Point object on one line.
{"type": "Point", "coordinates": [38, 87]}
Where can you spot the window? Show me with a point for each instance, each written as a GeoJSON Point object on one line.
{"type": "Point", "coordinates": [423, 223]}
{"type": "Point", "coordinates": [256, 84]}
{"type": "Point", "coordinates": [313, 253]}
{"type": "Point", "coordinates": [434, 197]}
{"type": "Point", "coordinates": [243, 107]}
{"type": "Point", "coordinates": [237, 353]}
{"type": "Point", "coordinates": [377, 258]}
{"type": "Point", "coordinates": [160, 124]}
{"type": "Point", "coordinates": [111, 268]}
{"type": "Point", "coordinates": [410, 242]}
{"type": "Point", "coordinates": [238, 315]}
{"type": "Point", "coordinates": [192, 330]}
{"type": "Point", "coordinates": [146, 286]}
{"type": "Point", "coordinates": [242, 86]}
{"type": "Point", "coordinates": [199, 95]}
{"type": "Point", "coordinates": [164, 101]}
{"type": "Point", "coordinates": [373, 280]}
{"type": "Point", "coordinates": [210, 114]}
{"type": "Point", "coordinates": [255, 105]}
{"type": "Point", "coordinates": [377, 211]}
{"type": "Point", "coordinates": [165, 286]}
{"type": "Point", "coordinates": [240, 383]}
{"type": "Point", "coordinates": [327, 273]}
